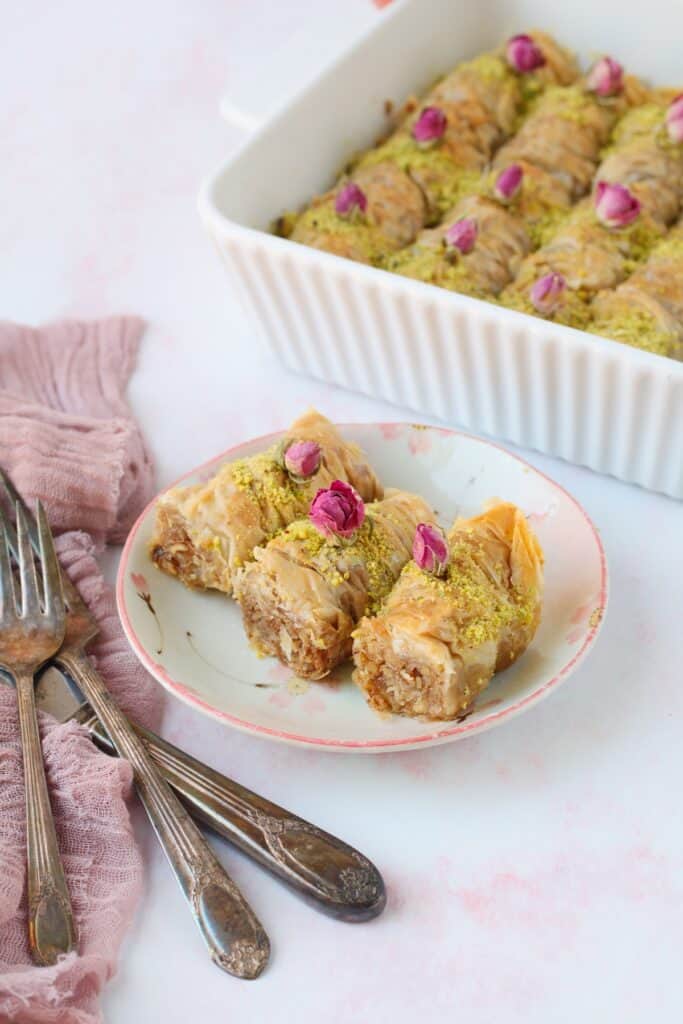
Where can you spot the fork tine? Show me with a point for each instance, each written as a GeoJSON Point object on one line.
{"type": "Point", "coordinates": [17, 501]}
{"type": "Point", "coordinates": [30, 603]}
{"type": "Point", "coordinates": [52, 577]}
{"type": "Point", "coordinates": [71, 595]}
{"type": "Point", "coordinates": [7, 600]}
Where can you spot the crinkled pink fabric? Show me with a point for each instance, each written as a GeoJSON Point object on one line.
{"type": "Point", "coordinates": [66, 436]}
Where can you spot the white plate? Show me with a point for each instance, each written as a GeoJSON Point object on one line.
{"type": "Point", "coordinates": [194, 645]}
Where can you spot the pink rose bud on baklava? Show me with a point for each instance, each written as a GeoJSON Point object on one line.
{"type": "Point", "coordinates": [674, 120]}
{"type": "Point", "coordinates": [508, 183]}
{"type": "Point", "coordinates": [524, 54]}
{"type": "Point", "coordinates": [430, 549]}
{"type": "Point", "coordinates": [461, 236]}
{"type": "Point", "coordinates": [351, 200]}
{"type": "Point", "coordinates": [337, 510]}
{"type": "Point", "coordinates": [615, 205]}
{"type": "Point", "coordinates": [302, 459]}
{"type": "Point", "coordinates": [546, 293]}
{"type": "Point", "coordinates": [606, 77]}
{"type": "Point", "coordinates": [430, 125]}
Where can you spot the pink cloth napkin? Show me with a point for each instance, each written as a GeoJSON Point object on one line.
{"type": "Point", "coordinates": [67, 437]}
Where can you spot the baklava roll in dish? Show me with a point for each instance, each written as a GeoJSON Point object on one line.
{"type": "Point", "coordinates": [565, 132]}
{"type": "Point", "coordinates": [602, 241]}
{"type": "Point", "coordinates": [477, 250]}
{"type": "Point", "coordinates": [378, 211]}
{"type": "Point", "coordinates": [434, 157]}
{"type": "Point", "coordinates": [452, 134]}
{"type": "Point", "coordinates": [464, 608]}
{"type": "Point", "coordinates": [648, 159]}
{"type": "Point", "coordinates": [204, 532]}
{"type": "Point", "coordinates": [558, 147]}
{"type": "Point", "coordinates": [607, 236]}
{"type": "Point", "coordinates": [646, 311]}
{"type": "Point", "coordinates": [306, 590]}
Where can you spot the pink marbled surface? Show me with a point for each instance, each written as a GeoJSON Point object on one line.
{"type": "Point", "coordinates": [535, 871]}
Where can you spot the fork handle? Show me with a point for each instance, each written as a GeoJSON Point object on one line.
{"type": "Point", "coordinates": [340, 880]}
{"type": "Point", "coordinates": [51, 930]}
{"type": "Point", "coordinates": [232, 932]}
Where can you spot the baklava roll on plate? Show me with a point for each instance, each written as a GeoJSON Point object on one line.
{"type": "Point", "coordinates": [205, 531]}
{"type": "Point", "coordinates": [306, 590]}
{"type": "Point", "coordinates": [464, 608]}
{"type": "Point", "coordinates": [646, 311]}
{"type": "Point", "coordinates": [476, 251]}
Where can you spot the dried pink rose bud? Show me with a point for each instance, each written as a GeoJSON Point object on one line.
{"type": "Point", "coordinates": [508, 183]}
{"type": "Point", "coordinates": [351, 199]}
{"type": "Point", "coordinates": [615, 205]}
{"type": "Point", "coordinates": [545, 294]}
{"type": "Point", "coordinates": [430, 549]}
{"type": "Point", "coordinates": [606, 77]}
{"type": "Point", "coordinates": [524, 54]}
{"type": "Point", "coordinates": [302, 459]}
{"type": "Point", "coordinates": [430, 125]}
{"type": "Point", "coordinates": [337, 510]}
{"type": "Point", "coordinates": [462, 235]}
{"type": "Point", "coordinates": [674, 120]}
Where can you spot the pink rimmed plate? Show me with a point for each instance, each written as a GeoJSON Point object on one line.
{"type": "Point", "coordinates": [194, 645]}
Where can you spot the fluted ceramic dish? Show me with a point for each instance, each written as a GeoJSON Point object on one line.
{"type": "Point", "coordinates": [472, 364]}
{"type": "Point", "coordinates": [194, 645]}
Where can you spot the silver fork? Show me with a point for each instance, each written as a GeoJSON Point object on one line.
{"type": "Point", "coordinates": [233, 934]}
{"type": "Point", "coordinates": [330, 873]}
{"type": "Point", "coordinates": [29, 636]}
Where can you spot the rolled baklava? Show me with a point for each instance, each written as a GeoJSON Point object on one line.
{"type": "Point", "coordinates": [306, 590]}
{"type": "Point", "coordinates": [461, 611]}
{"type": "Point", "coordinates": [648, 161]}
{"type": "Point", "coordinates": [435, 156]}
{"type": "Point", "coordinates": [591, 252]}
{"type": "Point", "coordinates": [646, 311]}
{"type": "Point", "coordinates": [564, 134]}
{"type": "Point", "coordinates": [476, 250]}
{"type": "Point", "coordinates": [479, 247]}
{"type": "Point", "coordinates": [204, 532]}
{"type": "Point", "coordinates": [607, 236]}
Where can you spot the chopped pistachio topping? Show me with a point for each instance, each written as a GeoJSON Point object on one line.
{"type": "Point", "coordinates": [372, 547]}
{"type": "Point", "coordinates": [484, 607]}
{"type": "Point", "coordinates": [639, 329]}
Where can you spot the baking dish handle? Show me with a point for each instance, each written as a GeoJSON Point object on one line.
{"type": "Point", "coordinates": [291, 69]}
{"type": "Point", "coordinates": [246, 120]}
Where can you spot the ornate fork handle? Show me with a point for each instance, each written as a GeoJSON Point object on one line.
{"type": "Point", "coordinates": [50, 919]}
{"type": "Point", "coordinates": [231, 930]}
{"type": "Point", "coordinates": [326, 870]}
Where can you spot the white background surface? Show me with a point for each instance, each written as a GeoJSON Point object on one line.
{"type": "Point", "coordinates": [535, 873]}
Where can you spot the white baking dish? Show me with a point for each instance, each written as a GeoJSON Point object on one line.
{"type": "Point", "coordinates": [540, 385]}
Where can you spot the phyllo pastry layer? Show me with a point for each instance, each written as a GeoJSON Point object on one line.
{"type": "Point", "coordinates": [206, 531]}
{"type": "Point", "coordinates": [305, 592]}
{"type": "Point", "coordinates": [439, 639]}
